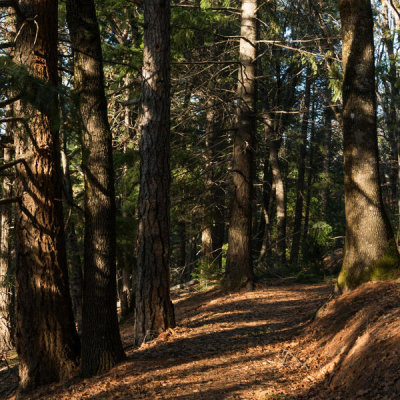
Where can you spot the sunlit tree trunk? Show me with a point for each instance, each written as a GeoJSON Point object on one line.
{"type": "Point", "coordinates": [154, 309]}
{"type": "Point", "coordinates": [47, 342]}
{"type": "Point", "coordinates": [101, 342]}
{"type": "Point", "coordinates": [280, 198]}
{"type": "Point", "coordinates": [239, 265]}
{"type": "Point", "coordinates": [6, 283]}
{"type": "Point", "coordinates": [370, 248]}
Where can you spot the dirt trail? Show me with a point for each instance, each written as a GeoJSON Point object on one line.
{"type": "Point", "coordinates": [237, 346]}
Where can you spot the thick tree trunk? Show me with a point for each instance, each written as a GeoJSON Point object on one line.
{"type": "Point", "coordinates": [370, 248]}
{"type": "Point", "coordinates": [47, 342]}
{"type": "Point", "coordinates": [239, 265]}
{"type": "Point", "coordinates": [392, 112]}
{"type": "Point", "coordinates": [154, 309]}
{"type": "Point", "coordinates": [298, 217]}
{"type": "Point", "coordinates": [6, 282]}
{"type": "Point", "coordinates": [101, 342]}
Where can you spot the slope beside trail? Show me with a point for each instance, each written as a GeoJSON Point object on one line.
{"type": "Point", "coordinates": [259, 345]}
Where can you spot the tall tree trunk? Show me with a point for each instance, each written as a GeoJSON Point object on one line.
{"type": "Point", "coordinates": [47, 342]}
{"type": "Point", "coordinates": [298, 217]}
{"type": "Point", "coordinates": [154, 309]}
{"type": "Point", "coordinates": [264, 249]}
{"type": "Point", "coordinates": [280, 197]}
{"type": "Point", "coordinates": [73, 257]}
{"type": "Point", "coordinates": [310, 176]}
{"type": "Point", "coordinates": [392, 118]}
{"type": "Point", "coordinates": [327, 153]}
{"type": "Point", "coordinates": [212, 229]}
{"type": "Point", "coordinates": [370, 248]}
{"type": "Point", "coordinates": [207, 247]}
{"type": "Point", "coordinates": [101, 342]}
{"type": "Point", "coordinates": [6, 284]}
{"type": "Point", "coordinates": [239, 265]}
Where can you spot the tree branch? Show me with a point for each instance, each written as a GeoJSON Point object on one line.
{"type": "Point", "coordinates": [10, 200]}
{"type": "Point", "coordinates": [12, 164]}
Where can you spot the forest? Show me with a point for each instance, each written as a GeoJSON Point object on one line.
{"type": "Point", "coordinates": [200, 199]}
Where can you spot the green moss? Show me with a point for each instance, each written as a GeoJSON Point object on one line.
{"type": "Point", "coordinates": [386, 267]}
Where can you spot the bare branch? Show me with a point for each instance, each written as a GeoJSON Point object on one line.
{"type": "Point", "coordinates": [12, 164]}
{"type": "Point", "coordinates": [10, 200]}
{"type": "Point", "coordinates": [130, 102]}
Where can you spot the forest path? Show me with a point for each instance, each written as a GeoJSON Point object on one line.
{"type": "Point", "coordinates": [235, 346]}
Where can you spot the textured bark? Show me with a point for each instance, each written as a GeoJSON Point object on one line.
{"type": "Point", "coordinates": [370, 249]}
{"type": "Point", "coordinates": [298, 216]}
{"type": "Point", "coordinates": [239, 265]}
{"type": "Point", "coordinates": [101, 342]}
{"type": "Point", "coordinates": [392, 111]}
{"type": "Point", "coordinates": [6, 284]}
{"type": "Point", "coordinates": [154, 309]}
{"type": "Point", "coordinates": [47, 342]}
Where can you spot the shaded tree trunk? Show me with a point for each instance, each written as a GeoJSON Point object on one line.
{"type": "Point", "coordinates": [212, 230]}
{"type": "Point", "coordinates": [370, 248]}
{"type": "Point", "coordinates": [47, 342]}
{"type": "Point", "coordinates": [154, 309]}
{"type": "Point", "coordinates": [327, 153]}
{"type": "Point", "coordinates": [101, 342]}
{"type": "Point", "coordinates": [392, 112]}
{"type": "Point", "coordinates": [182, 251]}
{"type": "Point", "coordinates": [298, 217]}
{"type": "Point", "coordinates": [310, 177]}
{"type": "Point", "coordinates": [280, 197]}
{"type": "Point", "coordinates": [73, 255]}
{"type": "Point", "coordinates": [239, 265]}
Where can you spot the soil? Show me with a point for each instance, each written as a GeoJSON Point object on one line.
{"type": "Point", "coordinates": [267, 344]}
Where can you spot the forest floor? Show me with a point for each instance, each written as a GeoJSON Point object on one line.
{"type": "Point", "coordinates": [267, 344]}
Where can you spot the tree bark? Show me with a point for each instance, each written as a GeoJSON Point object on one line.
{"type": "Point", "coordinates": [370, 248]}
{"type": "Point", "coordinates": [154, 309]}
{"type": "Point", "coordinates": [47, 342]}
{"type": "Point", "coordinates": [6, 282]}
{"type": "Point", "coordinates": [101, 342]}
{"type": "Point", "coordinates": [392, 112]}
{"type": "Point", "coordinates": [239, 265]}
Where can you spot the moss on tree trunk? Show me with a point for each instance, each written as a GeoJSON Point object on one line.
{"type": "Point", "coordinates": [370, 250]}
